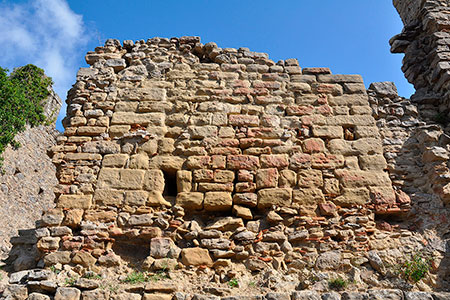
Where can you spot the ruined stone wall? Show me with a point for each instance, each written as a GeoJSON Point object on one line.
{"type": "Point", "coordinates": [179, 155]}
{"type": "Point", "coordinates": [425, 42]}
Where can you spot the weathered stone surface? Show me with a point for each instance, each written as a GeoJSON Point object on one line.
{"type": "Point", "coordinates": [217, 201]}
{"type": "Point", "coordinates": [196, 257]}
{"type": "Point", "coordinates": [274, 196]}
{"type": "Point", "coordinates": [67, 293]}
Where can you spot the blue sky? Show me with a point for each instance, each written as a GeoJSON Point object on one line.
{"type": "Point", "coordinates": [350, 36]}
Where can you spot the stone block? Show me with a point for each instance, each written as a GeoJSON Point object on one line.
{"type": "Point", "coordinates": [108, 197]}
{"type": "Point", "coordinates": [67, 293]}
{"type": "Point", "coordinates": [274, 196]}
{"type": "Point", "coordinates": [139, 161]}
{"type": "Point", "coordinates": [74, 201]}
{"type": "Point", "coordinates": [287, 179]}
{"type": "Point", "coordinates": [223, 176]}
{"type": "Point", "coordinates": [212, 187]}
{"type": "Point", "coordinates": [352, 196]}
{"type": "Point", "coordinates": [196, 257]}
{"type": "Point", "coordinates": [246, 162]}
{"type": "Point", "coordinates": [84, 258]}
{"type": "Point", "coordinates": [309, 196]}
{"type": "Point", "coordinates": [184, 181]}
{"type": "Point", "coordinates": [154, 180]}
{"type": "Point", "coordinates": [330, 132]}
{"type": "Point", "coordinates": [247, 199]}
{"type": "Point", "coordinates": [243, 120]}
{"type": "Point", "coordinates": [143, 119]}
{"type": "Point", "coordinates": [266, 178]}
{"type": "Point", "coordinates": [218, 201]}
{"type": "Point", "coordinates": [300, 161]}
{"type": "Point", "coordinates": [201, 132]}
{"type": "Point", "coordinates": [120, 179]}
{"type": "Point", "coordinates": [356, 178]}
{"type": "Point", "coordinates": [61, 257]}
{"type": "Point", "coordinates": [198, 162]}
{"type": "Point", "coordinates": [310, 178]}
{"type": "Point", "coordinates": [203, 175]}
{"type": "Point", "coordinates": [279, 161]}
{"type": "Point", "coordinates": [190, 200]}
{"type": "Point", "coordinates": [313, 145]}
{"type": "Point", "coordinates": [327, 161]}
{"type": "Point", "coordinates": [91, 130]}
{"type": "Point", "coordinates": [135, 198]}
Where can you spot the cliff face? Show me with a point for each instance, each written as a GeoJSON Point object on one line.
{"type": "Point", "coordinates": [26, 187]}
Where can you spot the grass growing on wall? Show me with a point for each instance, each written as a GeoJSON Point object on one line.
{"type": "Point", "coordinates": [21, 102]}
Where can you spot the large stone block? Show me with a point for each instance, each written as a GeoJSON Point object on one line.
{"type": "Point", "coordinates": [356, 178]}
{"type": "Point", "coordinates": [274, 196]}
{"type": "Point", "coordinates": [120, 179]}
{"type": "Point", "coordinates": [144, 119]}
{"type": "Point", "coordinates": [218, 201]}
{"type": "Point", "coordinates": [310, 178]}
{"type": "Point", "coordinates": [309, 196]}
{"type": "Point", "coordinates": [196, 257]}
{"type": "Point", "coordinates": [190, 200]}
{"type": "Point", "coordinates": [279, 161]}
{"type": "Point", "coordinates": [154, 180]}
{"type": "Point", "coordinates": [266, 178]}
{"type": "Point", "coordinates": [74, 201]}
{"type": "Point", "coordinates": [108, 197]}
{"type": "Point", "coordinates": [143, 94]}
{"type": "Point", "coordinates": [246, 162]}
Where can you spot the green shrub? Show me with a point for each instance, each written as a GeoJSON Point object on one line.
{"type": "Point", "coordinates": [415, 268]}
{"type": "Point", "coordinates": [21, 102]}
{"type": "Point", "coordinates": [337, 284]}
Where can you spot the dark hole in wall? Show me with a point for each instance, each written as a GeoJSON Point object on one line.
{"type": "Point", "coordinates": [170, 186]}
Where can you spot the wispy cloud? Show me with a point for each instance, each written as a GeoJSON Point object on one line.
{"type": "Point", "coordinates": [46, 33]}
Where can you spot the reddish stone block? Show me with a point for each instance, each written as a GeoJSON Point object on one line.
{"type": "Point", "coordinates": [198, 162]}
{"type": "Point", "coordinates": [316, 71]}
{"type": "Point", "coordinates": [218, 161]}
{"type": "Point", "coordinates": [299, 110]}
{"type": "Point", "coordinates": [402, 198]}
{"type": "Point", "coordinates": [250, 142]}
{"type": "Point", "coordinates": [246, 162]}
{"type": "Point", "coordinates": [266, 178]}
{"type": "Point", "coordinates": [225, 151]}
{"type": "Point", "coordinates": [327, 161]}
{"type": "Point", "coordinates": [300, 161]}
{"type": "Point", "coordinates": [229, 143]}
{"type": "Point", "coordinates": [243, 120]}
{"type": "Point", "coordinates": [313, 145]}
{"type": "Point", "coordinates": [279, 161]}
{"type": "Point", "coordinates": [325, 110]}
{"type": "Point", "coordinates": [327, 208]}
{"type": "Point", "coordinates": [244, 175]}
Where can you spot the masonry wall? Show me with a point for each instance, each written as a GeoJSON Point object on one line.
{"type": "Point", "coordinates": [216, 153]}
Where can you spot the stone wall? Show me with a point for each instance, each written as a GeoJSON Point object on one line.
{"type": "Point", "coordinates": [425, 43]}
{"type": "Point", "coordinates": [26, 185]}
{"type": "Point", "coordinates": [179, 156]}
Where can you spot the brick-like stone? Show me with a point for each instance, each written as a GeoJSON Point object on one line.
{"type": "Point", "coordinates": [218, 201]}
{"type": "Point", "coordinates": [190, 200]}
{"type": "Point", "coordinates": [274, 196]}
{"type": "Point", "coordinates": [74, 201]}
{"type": "Point", "coordinates": [238, 162]}
{"type": "Point", "coordinates": [120, 178]}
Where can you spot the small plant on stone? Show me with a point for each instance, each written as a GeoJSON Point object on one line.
{"type": "Point", "coordinates": [252, 284]}
{"type": "Point", "coordinates": [70, 281]}
{"type": "Point", "coordinates": [136, 277]}
{"type": "Point", "coordinates": [92, 275]}
{"type": "Point", "coordinates": [233, 283]}
{"type": "Point", "coordinates": [337, 284]}
{"type": "Point", "coordinates": [55, 270]}
{"type": "Point", "coordinates": [158, 276]}
{"type": "Point", "coordinates": [415, 268]}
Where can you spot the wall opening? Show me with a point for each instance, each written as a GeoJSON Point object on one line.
{"type": "Point", "coordinates": [170, 187]}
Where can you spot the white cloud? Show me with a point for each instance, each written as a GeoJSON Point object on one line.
{"type": "Point", "coordinates": [46, 33]}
